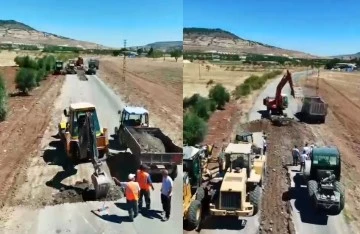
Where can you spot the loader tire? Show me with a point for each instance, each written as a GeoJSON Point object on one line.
{"type": "Point", "coordinates": [194, 214]}
{"type": "Point", "coordinates": [255, 198]}
{"type": "Point", "coordinates": [312, 188]}
{"type": "Point", "coordinates": [200, 194]}
{"type": "Point", "coordinates": [340, 189]}
{"type": "Point", "coordinates": [174, 173]}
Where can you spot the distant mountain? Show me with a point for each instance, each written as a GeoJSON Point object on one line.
{"type": "Point", "coordinates": [347, 56]}
{"type": "Point", "coordinates": [162, 45]}
{"type": "Point", "coordinates": [206, 39]}
{"type": "Point", "coordinates": [12, 31]}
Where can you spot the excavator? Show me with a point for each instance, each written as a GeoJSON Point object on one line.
{"type": "Point", "coordinates": [88, 145]}
{"type": "Point", "coordinates": [275, 106]}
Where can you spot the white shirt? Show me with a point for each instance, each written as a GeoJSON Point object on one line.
{"type": "Point", "coordinates": [303, 157]}
{"type": "Point", "coordinates": [264, 142]}
{"type": "Point", "coordinates": [167, 185]}
{"type": "Point", "coordinates": [295, 152]}
{"type": "Point", "coordinates": [307, 150]}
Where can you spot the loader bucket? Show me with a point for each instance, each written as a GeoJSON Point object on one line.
{"type": "Point", "coordinates": [281, 120]}
{"type": "Point", "coordinates": [101, 184]}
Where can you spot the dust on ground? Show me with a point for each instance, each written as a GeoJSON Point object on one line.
{"type": "Point", "coordinates": [342, 128]}
{"type": "Point", "coordinates": [23, 127]}
{"type": "Point", "coordinates": [153, 83]}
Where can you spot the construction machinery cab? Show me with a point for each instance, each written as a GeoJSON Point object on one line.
{"type": "Point", "coordinates": [285, 100]}
{"type": "Point", "coordinates": [192, 162]}
{"type": "Point", "coordinates": [254, 138]}
{"type": "Point", "coordinates": [59, 64]}
{"type": "Point", "coordinates": [134, 116]}
{"type": "Point", "coordinates": [244, 137]}
{"type": "Point", "coordinates": [324, 160]}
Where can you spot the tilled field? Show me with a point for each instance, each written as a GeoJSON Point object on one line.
{"type": "Point", "coordinates": [275, 213]}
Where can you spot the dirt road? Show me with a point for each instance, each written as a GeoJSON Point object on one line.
{"type": "Point", "coordinates": [280, 206]}
{"type": "Point", "coordinates": [36, 193]}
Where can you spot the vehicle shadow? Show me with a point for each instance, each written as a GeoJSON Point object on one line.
{"type": "Point", "coordinates": [303, 119]}
{"type": "Point", "coordinates": [264, 114]}
{"type": "Point", "coordinates": [303, 204]}
{"type": "Point", "coordinates": [112, 218]}
{"type": "Point", "coordinates": [150, 214]}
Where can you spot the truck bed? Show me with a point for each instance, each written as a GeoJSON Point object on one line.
{"type": "Point", "coordinates": [152, 146]}
{"type": "Point", "coordinates": [314, 105]}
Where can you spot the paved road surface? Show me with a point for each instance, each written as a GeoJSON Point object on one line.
{"type": "Point", "coordinates": [77, 217]}
{"type": "Point", "coordinates": [304, 219]}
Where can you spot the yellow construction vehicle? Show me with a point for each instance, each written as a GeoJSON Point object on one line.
{"type": "Point", "coordinates": [238, 193]}
{"type": "Point", "coordinates": [83, 139]}
{"type": "Point", "coordinates": [193, 193]}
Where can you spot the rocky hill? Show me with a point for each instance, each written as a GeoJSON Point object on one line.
{"type": "Point", "coordinates": [12, 31]}
{"type": "Point", "coordinates": [205, 39]}
{"type": "Point", "coordinates": [347, 56]}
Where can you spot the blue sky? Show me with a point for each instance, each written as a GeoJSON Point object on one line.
{"type": "Point", "coordinates": [107, 22]}
{"type": "Point", "coordinates": [320, 27]}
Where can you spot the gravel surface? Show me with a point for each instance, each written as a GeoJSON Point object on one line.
{"type": "Point", "coordinates": [148, 142]}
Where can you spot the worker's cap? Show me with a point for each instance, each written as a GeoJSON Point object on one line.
{"type": "Point", "coordinates": [131, 176]}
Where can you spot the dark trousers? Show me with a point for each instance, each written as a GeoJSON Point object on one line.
{"type": "Point", "coordinates": [132, 208]}
{"type": "Point", "coordinates": [166, 203]}
{"type": "Point", "coordinates": [295, 161]}
{"type": "Point", "coordinates": [146, 194]}
{"type": "Point", "coordinates": [302, 166]}
{"type": "Point", "coordinates": [264, 149]}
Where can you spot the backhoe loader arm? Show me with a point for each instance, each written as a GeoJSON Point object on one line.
{"type": "Point", "coordinates": [286, 78]}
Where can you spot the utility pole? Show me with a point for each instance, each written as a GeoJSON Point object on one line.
{"type": "Point", "coordinates": [317, 82]}
{"type": "Point", "coordinates": [124, 72]}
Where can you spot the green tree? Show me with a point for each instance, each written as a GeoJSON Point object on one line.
{"type": "Point", "coordinates": [40, 75]}
{"type": "Point", "coordinates": [176, 54]}
{"type": "Point", "coordinates": [220, 95]}
{"type": "Point", "coordinates": [25, 80]}
{"type": "Point", "coordinates": [3, 99]}
{"type": "Point", "coordinates": [194, 129]}
{"type": "Point", "coordinates": [140, 51]}
{"type": "Point", "coordinates": [150, 52]}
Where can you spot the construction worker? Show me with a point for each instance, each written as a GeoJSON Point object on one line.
{"type": "Point", "coordinates": [145, 183]}
{"type": "Point", "coordinates": [264, 144]}
{"type": "Point", "coordinates": [132, 190]}
{"type": "Point", "coordinates": [295, 155]}
{"type": "Point", "coordinates": [306, 149]}
{"type": "Point", "coordinates": [166, 194]}
{"type": "Point", "coordinates": [303, 158]}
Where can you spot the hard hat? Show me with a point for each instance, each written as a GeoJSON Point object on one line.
{"type": "Point", "coordinates": [131, 176]}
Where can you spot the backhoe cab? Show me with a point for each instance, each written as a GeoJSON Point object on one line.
{"type": "Point", "coordinates": [69, 130]}
{"type": "Point", "coordinates": [134, 116]}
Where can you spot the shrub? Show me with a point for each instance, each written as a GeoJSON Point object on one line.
{"type": "Point", "coordinates": [202, 108]}
{"type": "Point", "coordinates": [220, 95]}
{"type": "Point", "coordinates": [25, 80]}
{"type": "Point", "coordinates": [194, 129]}
{"type": "Point", "coordinates": [26, 62]}
{"type": "Point", "coordinates": [188, 102]}
{"type": "Point", "coordinates": [242, 90]}
{"type": "Point", "coordinates": [3, 99]}
{"type": "Point", "coordinates": [40, 75]}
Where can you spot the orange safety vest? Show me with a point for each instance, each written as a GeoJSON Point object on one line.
{"type": "Point", "coordinates": [142, 179]}
{"type": "Point", "coordinates": [132, 191]}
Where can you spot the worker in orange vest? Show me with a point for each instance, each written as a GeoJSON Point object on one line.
{"type": "Point", "coordinates": [132, 190]}
{"type": "Point", "coordinates": [144, 180]}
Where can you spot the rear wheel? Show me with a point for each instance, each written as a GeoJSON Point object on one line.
{"type": "Point", "coordinates": [339, 188]}
{"type": "Point", "coordinates": [200, 194]}
{"type": "Point", "coordinates": [194, 214]}
{"type": "Point", "coordinates": [255, 198]}
{"type": "Point", "coordinates": [312, 188]}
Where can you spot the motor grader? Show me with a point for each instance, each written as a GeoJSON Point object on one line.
{"type": "Point", "coordinates": [193, 193]}
{"type": "Point", "coordinates": [238, 192]}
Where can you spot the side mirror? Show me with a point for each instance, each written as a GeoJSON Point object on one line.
{"type": "Point", "coordinates": [65, 113]}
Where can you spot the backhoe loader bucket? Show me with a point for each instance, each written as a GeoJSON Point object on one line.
{"type": "Point", "coordinates": [281, 120]}
{"type": "Point", "coordinates": [101, 184]}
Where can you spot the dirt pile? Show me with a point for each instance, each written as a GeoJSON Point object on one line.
{"type": "Point", "coordinates": [84, 191]}
{"type": "Point", "coordinates": [148, 142]}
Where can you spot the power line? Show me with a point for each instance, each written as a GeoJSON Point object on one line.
{"type": "Point", "coordinates": [124, 73]}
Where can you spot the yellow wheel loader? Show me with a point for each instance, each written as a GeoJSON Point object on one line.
{"type": "Point", "coordinates": [84, 139]}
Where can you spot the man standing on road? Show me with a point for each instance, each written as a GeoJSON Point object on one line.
{"type": "Point", "coordinates": [295, 155]}
{"type": "Point", "coordinates": [132, 190]}
{"type": "Point", "coordinates": [145, 183]}
{"type": "Point", "coordinates": [166, 194]}
{"type": "Point", "coordinates": [303, 158]}
{"type": "Point", "coordinates": [306, 149]}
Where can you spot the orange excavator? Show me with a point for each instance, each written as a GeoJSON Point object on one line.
{"type": "Point", "coordinates": [275, 106]}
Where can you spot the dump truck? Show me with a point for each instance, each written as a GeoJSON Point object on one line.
{"type": "Point", "coordinates": [96, 62]}
{"type": "Point", "coordinates": [193, 192]}
{"type": "Point", "coordinates": [313, 109]}
{"type": "Point", "coordinates": [148, 144]}
{"type": "Point", "coordinates": [91, 68]}
{"type": "Point", "coordinates": [323, 174]}
{"type": "Point", "coordinates": [238, 191]}
{"type": "Point", "coordinates": [69, 132]}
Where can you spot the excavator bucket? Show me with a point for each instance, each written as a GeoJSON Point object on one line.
{"type": "Point", "coordinates": [281, 120]}
{"type": "Point", "coordinates": [101, 184]}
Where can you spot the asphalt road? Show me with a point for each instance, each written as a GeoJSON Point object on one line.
{"type": "Point", "coordinates": [304, 218]}
{"type": "Point", "coordinates": [77, 217]}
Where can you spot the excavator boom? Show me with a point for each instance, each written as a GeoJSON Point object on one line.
{"type": "Point", "coordinates": [88, 143]}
